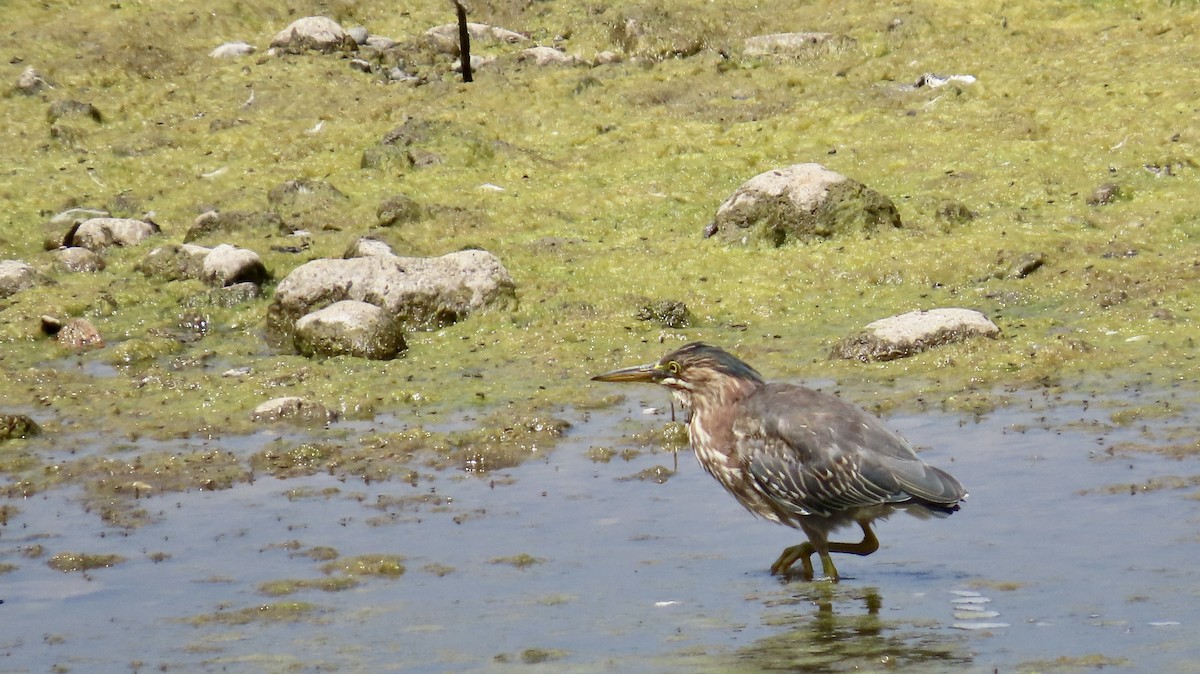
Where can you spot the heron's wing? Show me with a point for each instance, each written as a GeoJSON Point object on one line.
{"type": "Point", "coordinates": [813, 453]}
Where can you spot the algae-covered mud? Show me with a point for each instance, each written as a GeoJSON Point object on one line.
{"type": "Point", "coordinates": [477, 503]}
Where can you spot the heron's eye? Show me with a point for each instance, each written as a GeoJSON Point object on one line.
{"type": "Point", "coordinates": [673, 368]}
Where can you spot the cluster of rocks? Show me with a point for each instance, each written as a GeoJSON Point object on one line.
{"type": "Point", "coordinates": [369, 53]}
{"type": "Point", "coordinates": [324, 35]}
{"type": "Point", "coordinates": [362, 305]}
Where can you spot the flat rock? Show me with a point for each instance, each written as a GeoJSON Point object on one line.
{"type": "Point", "coordinates": [350, 328]}
{"type": "Point", "coordinates": [547, 56]}
{"type": "Point", "coordinates": [911, 333]}
{"type": "Point", "coordinates": [293, 408]}
{"type": "Point", "coordinates": [801, 202]}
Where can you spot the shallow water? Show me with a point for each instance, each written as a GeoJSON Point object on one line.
{"type": "Point", "coordinates": [1042, 570]}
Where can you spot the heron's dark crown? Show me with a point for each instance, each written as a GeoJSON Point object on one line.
{"type": "Point", "coordinates": [699, 356]}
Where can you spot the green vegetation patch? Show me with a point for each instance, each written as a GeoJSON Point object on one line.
{"type": "Point", "coordinates": [1076, 663]}
{"type": "Point", "coordinates": [282, 612]}
{"type": "Point", "coordinates": [278, 588]}
{"type": "Point", "coordinates": [521, 561]}
{"type": "Point", "coordinates": [68, 562]}
{"type": "Point", "coordinates": [386, 566]}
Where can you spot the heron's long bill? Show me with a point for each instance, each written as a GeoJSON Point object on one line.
{"type": "Point", "coordinates": [647, 373]}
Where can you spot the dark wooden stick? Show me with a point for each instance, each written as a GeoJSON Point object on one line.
{"type": "Point", "coordinates": [464, 41]}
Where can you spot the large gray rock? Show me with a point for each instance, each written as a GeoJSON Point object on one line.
{"type": "Point", "coordinates": [99, 233]}
{"type": "Point", "coordinates": [911, 333]}
{"type": "Point", "coordinates": [16, 276]}
{"type": "Point", "coordinates": [419, 293]}
{"type": "Point", "coordinates": [316, 33]}
{"type": "Point", "coordinates": [350, 328]}
{"type": "Point", "coordinates": [801, 202]}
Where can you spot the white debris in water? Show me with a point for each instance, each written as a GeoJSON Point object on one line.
{"type": "Point", "coordinates": [979, 626]}
{"type": "Point", "coordinates": [648, 411]}
{"type": "Point", "coordinates": [970, 600]}
{"type": "Point", "coordinates": [966, 593]}
{"type": "Point", "coordinates": [975, 615]}
{"type": "Point", "coordinates": [1164, 623]}
{"type": "Point", "coordinates": [660, 604]}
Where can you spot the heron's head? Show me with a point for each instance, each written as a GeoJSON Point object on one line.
{"type": "Point", "coordinates": [694, 370]}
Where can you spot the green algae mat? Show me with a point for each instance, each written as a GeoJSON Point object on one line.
{"type": "Point", "coordinates": [1063, 132]}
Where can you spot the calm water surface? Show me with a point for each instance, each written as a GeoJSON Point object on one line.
{"type": "Point", "coordinates": [1043, 570]}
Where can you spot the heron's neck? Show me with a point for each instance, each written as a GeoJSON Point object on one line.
{"type": "Point", "coordinates": [710, 429]}
{"type": "Point", "coordinates": [713, 407]}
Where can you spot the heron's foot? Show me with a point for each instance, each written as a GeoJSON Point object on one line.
{"type": "Point", "coordinates": [803, 553]}
{"type": "Point", "coordinates": [796, 553]}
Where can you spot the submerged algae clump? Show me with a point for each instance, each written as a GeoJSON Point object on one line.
{"type": "Point", "coordinates": [283, 612]}
{"type": "Point", "coordinates": [388, 566]}
{"type": "Point", "coordinates": [68, 562]}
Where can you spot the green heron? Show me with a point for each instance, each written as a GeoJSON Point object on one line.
{"type": "Point", "coordinates": [796, 456]}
